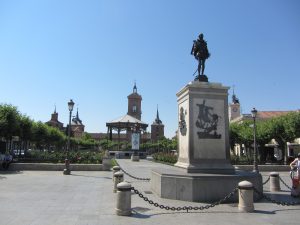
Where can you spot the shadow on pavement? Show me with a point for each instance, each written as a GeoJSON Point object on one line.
{"type": "Point", "coordinates": [139, 215]}
{"type": "Point", "coordinates": [280, 197]}
{"type": "Point", "coordinates": [264, 212]}
{"type": "Point", "coordinates": [10, 172]}
{"type": "Point", "coordinates": [77, 175]}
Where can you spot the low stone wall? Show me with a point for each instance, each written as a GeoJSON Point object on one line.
{"type": "Point", "coordinates": [264, 168]}
{"type": "Point", "coordinates": [99, 167]}
{"type": "Point", "coordinates": [54, 167]}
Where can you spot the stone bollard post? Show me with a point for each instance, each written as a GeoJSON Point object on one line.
{"type": "Point", "coordinates": [106, 163]}
{"type": "Point", "coordinates": [246, 196]}
{"type": "Point", "coordinates": [274, 182]}
{"type": "Point", "coordinates": [135, 158]}
{"type": "Point", "coordinates": [67, 170]}
{"type": "Point", "coordinates": [115, 169]}
{"type": "Point", "coordinates": [123, 207]}
{"type": "Point", "coordinates": [118, 178]}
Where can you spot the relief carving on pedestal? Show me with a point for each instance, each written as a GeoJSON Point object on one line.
{"type": "Point", "coordinates": [207, 122]}
{"type": "Point", "coordinates": [182, 122]}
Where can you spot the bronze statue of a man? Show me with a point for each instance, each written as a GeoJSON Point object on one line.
{"type": "Point", "coordinates": [200, 51]}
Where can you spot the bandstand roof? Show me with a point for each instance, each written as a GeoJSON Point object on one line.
{"type": "Point", "coordinates": [126, 121]}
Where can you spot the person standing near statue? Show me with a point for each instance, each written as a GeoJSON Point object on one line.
{"type": "Point", "coordinates": [200, 51]}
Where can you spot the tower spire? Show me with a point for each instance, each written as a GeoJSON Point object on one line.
{"type": "Point", "coordinates": [54, 108]}
{"type": "Point", "coordinates": [134, 88]}
{"type": "Point", "coordinates": [76, 118]}
{"type": "Point", "coordinates": [157, 120]}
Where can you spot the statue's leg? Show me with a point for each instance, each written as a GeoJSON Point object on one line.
{"type": "Point", "coordinates": [199, 67]}
{"type": "Point", "coordinates": [203, 65]}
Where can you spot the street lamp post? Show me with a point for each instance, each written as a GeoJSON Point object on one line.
{"type": "Point", "coordinates": [67, 170]}
{"type": "Point", "coordinates": [157, 140]}
{"type": "Point", "coordinates": [135, 142]}
{"type": "Point", "coordinates": [255, 167]}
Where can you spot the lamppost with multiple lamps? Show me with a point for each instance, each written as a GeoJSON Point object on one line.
{"type": "Point", "coordinates": [67, 170]}
{"type": "Point", "coordinates": [255, 166]}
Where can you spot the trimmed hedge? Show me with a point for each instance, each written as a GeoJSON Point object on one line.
{"type": "Point", "coordinates": [76, 157]}
{"type": "Point", "coordinates": [165, 157]}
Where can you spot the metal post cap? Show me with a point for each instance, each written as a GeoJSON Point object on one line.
{"type": "Point", "coordinates": [124, 186]}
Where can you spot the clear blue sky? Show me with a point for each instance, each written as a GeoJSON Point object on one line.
{"type": "Point", "coordinates": [92, 51]}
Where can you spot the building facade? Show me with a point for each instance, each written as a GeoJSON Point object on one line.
{"type": "Point", "coordinates": [135, 104]}
{"type": "Point", "coordinates": [77, 127]}
{"type": "Point", "coordinates": [132, 121]}
{"type": "Point", "coordinates": [157, 128]}
{"type": "Point", "coordinates": [53, 122]}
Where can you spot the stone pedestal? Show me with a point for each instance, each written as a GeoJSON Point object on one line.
{"type": "Point", "coordinates": [177, 184]}
{"type": "Point", "coordinates": [135, 158]}
{"type": "Point", "coordinates": [203, 172]}
{"type": "Point", "coordinates": [203, 137]}
{"type": "Point", "coordinates": [106, 163]}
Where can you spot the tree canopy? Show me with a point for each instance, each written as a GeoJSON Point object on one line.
{"type": "Point", "coordinates": [283, 129]}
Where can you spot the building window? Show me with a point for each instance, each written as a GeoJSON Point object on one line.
{"type": "Point", "coordinates": [134, 108]}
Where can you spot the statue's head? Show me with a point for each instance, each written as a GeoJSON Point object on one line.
{"type": "Point", "coordinates": [200, 36]}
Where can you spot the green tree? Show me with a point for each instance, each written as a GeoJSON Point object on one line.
{"type": "Point", "coordinates": [25, 132]}
{"type": "Point", "coordinates": [242, 133]}
{"type": "Point", "coordinates": [264, 135]}
{"type": "Point", "coordinates": [55, 138]}
{"type": "Point", "coordinates": [9, 123]}
{"type": "Point", "coordinates": [40, 133]}
{"type": "Point", "coordinates": [234, 134]}
{"type": "Point", "coordinates": [285, 129]}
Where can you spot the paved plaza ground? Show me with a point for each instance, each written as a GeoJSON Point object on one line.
{"type": "Point", "coordinates": [87, 198]}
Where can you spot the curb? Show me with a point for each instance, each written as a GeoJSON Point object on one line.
{"type": "Point", "coordinates": [264, 168]}
{"type": "Point", "coordinates": [54, 167]}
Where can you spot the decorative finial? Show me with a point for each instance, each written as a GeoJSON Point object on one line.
{"type": "Point", "coordinates": [134, 87]}
{"type": "Point", "coordinates": [157, 120]}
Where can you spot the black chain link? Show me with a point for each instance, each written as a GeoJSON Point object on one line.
{"type": "Point", "coordinates": [266, 181]}
{"type": "Point", "coordinates": [275, 201]}
{"type": "Point", "coordinates": [185, 208]}
{"type": "Point", "coordinates": [284, 183]}
{"type": "Point", "coordinates": [134, 177]}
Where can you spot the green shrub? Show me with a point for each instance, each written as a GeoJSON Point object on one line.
{"type": "Point", "coordinates": [84, 157]}
{"type": "Point", "coordinates": [165, 157]}
{"type": "Point", "coordinates": [240, 160]}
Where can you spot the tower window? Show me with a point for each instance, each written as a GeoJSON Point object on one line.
{"type": "Point", "coordinates": [134, 108]}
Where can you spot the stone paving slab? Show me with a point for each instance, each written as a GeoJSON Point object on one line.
{"type": "Point", "coordinates": [86, 198]}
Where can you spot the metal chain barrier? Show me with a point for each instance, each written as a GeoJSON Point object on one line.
{"type": "Point", "coordinates": [134, 177]}
{"type": "Point", "coordinates": [266, 181]}
{"type": "Point", "coordinates": [275, 201]}
{"type": "Point", "coordinates": [284, 183]}
{"type": "Point", "coordinates": [184, 208]}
